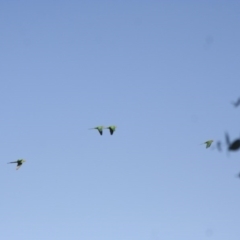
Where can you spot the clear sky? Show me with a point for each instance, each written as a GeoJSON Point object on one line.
{"type": "Point", "coordinates": [164, 72]}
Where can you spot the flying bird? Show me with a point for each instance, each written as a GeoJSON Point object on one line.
{"type": "Point", "coordinates": [111, 129]}
{"type": "Point", "coordinates": [99, 128]}
{"type": "Point", "coordinates": [237, 103]}
{"type": "Point", "coordinates": [235, 145]}
{"type": "Point", "coordinates": [19, 163]}
{"type": "Point", "coordinates": [208, 143]}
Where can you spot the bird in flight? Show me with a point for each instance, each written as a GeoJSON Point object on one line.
{"type": "Point", "coordinates": [111, 129]}
{"type": "Point", "coordinates": [208, 143]}
{"type": "Point", "coordinates": [235, 145]}
{"type": "Point", "coordinates": [19, 163]}
{"type": "Point", "coordinates": [99, 128]}
{"type": "Point", "coordinates": [237, 103]}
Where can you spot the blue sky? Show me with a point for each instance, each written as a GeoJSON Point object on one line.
{"type": "Point", "coordinates": [164, 72]}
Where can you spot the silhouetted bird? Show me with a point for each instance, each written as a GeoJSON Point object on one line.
{"type": "Point", "coordinates": [99, 128]}
{"type": "Point", "coordinates": [237, 103]}
{"type": "Point", "coordinates": [19, 163]}
{"type": "Point", "coordinates": [235, 145]}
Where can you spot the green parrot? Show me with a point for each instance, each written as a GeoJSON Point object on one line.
{"type": "Point", "coordinates": [19, 163]}
{"type": "Point", "coordinates": [111, 129]}
{"type": "Point", "coordinates": [208, 143]}
{"type": "Point", "coordinates": [99, 128]}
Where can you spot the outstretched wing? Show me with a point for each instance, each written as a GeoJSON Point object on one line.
{"type": "Point", "coordinates": [100, 131]}
{"type": "Point", "coordinates": [227, 139]}
{"type": "Point", "coordinates": [236, 103]}
{"type": "Point", "coordinates": [208, 144]}
{"type": "Point", "coordinates": [19, 165]}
